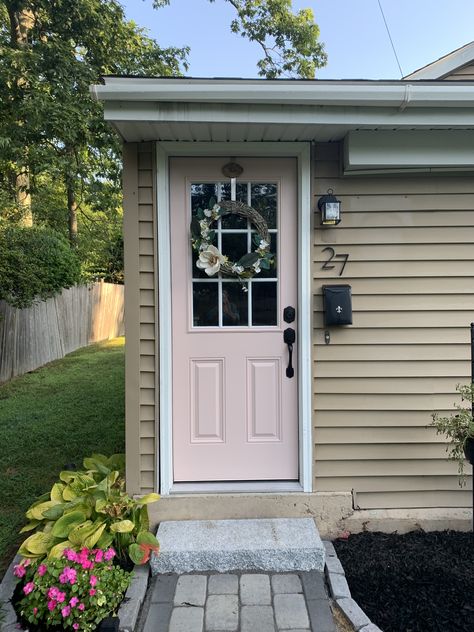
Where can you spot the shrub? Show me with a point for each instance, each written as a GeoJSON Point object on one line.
{"type": "Point", "coordinates": [35, 264]}
{"type": "Point", "coordinates": [76, 591]}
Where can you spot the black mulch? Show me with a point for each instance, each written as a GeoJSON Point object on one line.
{"type": "Point", "coordinates": [416, 582]}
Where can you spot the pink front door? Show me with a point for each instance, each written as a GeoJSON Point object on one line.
{"type": "Point", "coordinates": [235, 411]}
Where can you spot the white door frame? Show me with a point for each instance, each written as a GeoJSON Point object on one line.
{"type": "Point", "coordinates": [301, 151]}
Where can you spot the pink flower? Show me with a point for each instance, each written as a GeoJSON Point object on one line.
{"type": "Point", "coordinates": [109, 554]}
{"type": "Point", "coordinates": [60, 596]}
{"type": "Point", "coordinates": [66, 611]}
{"type": "Point", "coordinates": [92, 592]}
{"type": "Point", "coordinates": [42, 570]}
{"type": "Point", "coordinates": [99, 555]}
{"type": "Point", "coordinates": [93, 580]}
{"type": "Point", "coordinates": [87, 564]}
{"type": "Point", "coordinates": [68, 575]}
{"type": "Point", "coordinates": [75, 626]}
{"type": "Point", "coordinates": [26, 562]}
{"type": "Point", "coordinates": [29, 587]}
{"type": "Point", "coordinates": [81, 607]}
{"type": "Point", "coordinates": [73, 601]}
{"type": "Point", "coordinates": [52, 592]}
{"type": "Point", "coordinates": [70, 555]}
{"type": "Point", "coordinates": [35, 610]}
{"type": "Point", "coordinates": [51, 605]}
{"type": "Point", "coordinates": [19, 570]}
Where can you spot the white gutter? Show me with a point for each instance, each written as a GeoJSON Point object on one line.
{"type": "Point", "coordinates": [334, 93]}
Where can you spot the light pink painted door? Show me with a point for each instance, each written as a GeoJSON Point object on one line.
{"type": "Point", "coordinates": [235, 411]}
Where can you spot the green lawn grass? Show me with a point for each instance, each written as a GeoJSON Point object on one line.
{"type": "Point", "coordinates": [51, 417]}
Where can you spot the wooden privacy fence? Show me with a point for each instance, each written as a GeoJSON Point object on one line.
{"type": "Point", "coordinates": [50, 329]}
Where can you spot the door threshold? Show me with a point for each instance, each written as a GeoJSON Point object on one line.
{"type": "Point", "coordinates": [237, 487]}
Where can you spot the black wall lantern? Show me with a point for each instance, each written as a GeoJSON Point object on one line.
{"type": "Point", "coordinates": [330, 208]}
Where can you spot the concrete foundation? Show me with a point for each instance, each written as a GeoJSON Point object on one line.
{"type": "Point", "coordinates": [332, 511]}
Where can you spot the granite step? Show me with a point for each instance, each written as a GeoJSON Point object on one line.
{"type": "Point", "coordinates": [278, 545]}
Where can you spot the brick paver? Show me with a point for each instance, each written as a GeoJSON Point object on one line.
{"type": "Point", "coordinates": [239, 602]}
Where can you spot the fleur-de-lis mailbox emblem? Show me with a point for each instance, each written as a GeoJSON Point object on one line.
{"type": "Point", "coordinates": [338, 309]}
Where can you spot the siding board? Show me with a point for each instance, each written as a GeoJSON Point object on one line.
{"type": "Point", "coordinates": [411, 263]}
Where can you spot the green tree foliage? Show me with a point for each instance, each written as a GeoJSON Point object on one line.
{"type": "Point", "coordinates": [289, 40]}
{"type": "Point", "coordinates": [50, 127]}
{"type": "Point", "coordinates": [35, 264]}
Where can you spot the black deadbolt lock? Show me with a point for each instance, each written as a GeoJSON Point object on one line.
{"type": "Point", "coordinates": [289, 314]}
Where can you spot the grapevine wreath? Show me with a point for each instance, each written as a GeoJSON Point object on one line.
{"type": "Point", "coordinates": [211, 260]}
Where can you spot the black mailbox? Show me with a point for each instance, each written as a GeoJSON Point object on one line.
{"type": "Point", "coordinates": [337, 301]}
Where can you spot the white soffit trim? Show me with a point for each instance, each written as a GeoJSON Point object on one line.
{"type": "Point", "coordinates": [409, 150]}
{"type": "Point", "coordinates": [445, 65]}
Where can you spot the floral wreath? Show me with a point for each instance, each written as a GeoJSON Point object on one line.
{"type": "Point", "coordinates": [211, 260]}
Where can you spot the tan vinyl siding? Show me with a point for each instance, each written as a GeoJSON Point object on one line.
{"type": "Point", "coordinates": [411, 263]}
{"type": "Point", "coordinates": [140, 320]}
{"type": "Point", "coordinates": [466, 73]}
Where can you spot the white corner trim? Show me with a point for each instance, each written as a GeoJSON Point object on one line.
{"type": "Point", "coordinates": [301, 151]}
{"type": "Point", "coordinates": [164, 323]}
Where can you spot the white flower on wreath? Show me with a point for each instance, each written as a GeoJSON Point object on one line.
{"type": "Point", "coordinates": [236, 269]}
{"type": "Point", "coordinates": [256, 266]}
{"type": "Point", "coordinates": [208, 212]}
{"type": "Point", "coordinates": [204, 224]}
{"type": "Point", "coordinates": [263, 245]}
{"type": "Point", "coordinates": [210, 260]}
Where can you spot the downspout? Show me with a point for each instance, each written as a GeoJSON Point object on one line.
{"type": "Point", "coordinates": [406, 99]}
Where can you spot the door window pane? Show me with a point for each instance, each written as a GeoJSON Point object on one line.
{"type": "Point", "coordinates": [235, 311]}
{"type": "Point", "coordinates": [264, 200]}
{"type": "Point", "coordinates": [234, 245]}
{"type": "Point", "coordinates": [205, 304]}
{"type": "Point", "coordinates": [264, 303]}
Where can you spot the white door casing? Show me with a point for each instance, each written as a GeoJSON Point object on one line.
{"type": "Point", "coordinates": [302, 152]}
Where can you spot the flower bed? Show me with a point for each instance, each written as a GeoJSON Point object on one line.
{"type": "Point", "coordinates": [76, 591]}
{"type": "Point", "coordinates": [416, 582]}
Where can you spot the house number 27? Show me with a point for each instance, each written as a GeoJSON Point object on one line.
{"type": "Point", "coordinates": [339, 258]}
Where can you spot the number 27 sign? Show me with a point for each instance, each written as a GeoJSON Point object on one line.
{"type": "Point", "coordinates": [334, 258]}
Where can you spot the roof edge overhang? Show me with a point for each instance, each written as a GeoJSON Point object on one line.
{"type": "Point", "coordinates": [398, 94]}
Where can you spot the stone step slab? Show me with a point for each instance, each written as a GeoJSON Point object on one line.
{"type": "Point", "coordinates": [278, 545]}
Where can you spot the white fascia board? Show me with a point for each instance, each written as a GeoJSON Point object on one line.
{"type": "Point", "coordinates": [416, 150]}
{"type": "Point", "coordinates": [445, 65]}
{"type": "Point", "coordinates": [337, 93]}
{"type": "Point", "coordinates": [229, 114]}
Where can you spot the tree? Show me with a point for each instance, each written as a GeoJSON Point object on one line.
{"type": "Point", "coordinates": [52, 50]}
{"type": "Point", "coordinates": [289, 40]}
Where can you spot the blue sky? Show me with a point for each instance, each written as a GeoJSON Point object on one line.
{"type": "Point", "coordinates": [352, 30]}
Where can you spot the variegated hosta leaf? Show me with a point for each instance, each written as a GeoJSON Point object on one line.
{"type": "Point", "coordinates": [36, 512]}
{"type": "Point", "coordinates": [67, 522]}
{"type": "Point", "coordinates": [123, 526]}
{"type": "Point", "coordinates": [37, 544]}
{"type": "Point", "coordinates": [58, 549]}
{"type": "Point", "coordinates": [92, 540]}
{"type": "Point", "coordinates": [57, 492]}
{"type": "Point", "coordinates": [81, 532]}
{"type": "Point", "coordinates": [147, 499]}
{"type": "Point", "coordinates": [55, 512]}
{"type": "Point", "coordinates": [30, 526]}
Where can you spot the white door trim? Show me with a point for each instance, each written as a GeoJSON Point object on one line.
{"type": "Point", "coordinates": [301, 151]}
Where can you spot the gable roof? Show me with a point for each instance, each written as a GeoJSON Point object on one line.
{"type": "Point", "coordinates": [445, 65]}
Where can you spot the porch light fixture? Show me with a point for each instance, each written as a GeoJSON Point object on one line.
{"type": "Point", "coordinates": [330, 208]}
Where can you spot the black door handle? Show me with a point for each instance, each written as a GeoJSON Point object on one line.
{"type": "Point", "coordinates": [289, 337]}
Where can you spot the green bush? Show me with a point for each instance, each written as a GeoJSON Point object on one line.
{"type": "Point", "coordinates": [35, 264]}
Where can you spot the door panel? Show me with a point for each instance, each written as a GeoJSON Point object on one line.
{"type": "Point", "coordinates": [235, 411]}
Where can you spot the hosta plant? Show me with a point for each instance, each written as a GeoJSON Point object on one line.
{"type": "Point", "coordinates": [74, 592]}
{"type": "Point", "coordinates": [90, 509]}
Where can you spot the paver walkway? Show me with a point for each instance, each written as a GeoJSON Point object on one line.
{"type": "Point", "coordinates": [239, 602]}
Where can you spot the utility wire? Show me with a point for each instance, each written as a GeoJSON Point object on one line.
{"type": "Point", "coordinates": [390, 38]}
